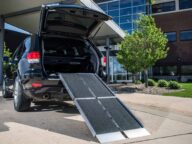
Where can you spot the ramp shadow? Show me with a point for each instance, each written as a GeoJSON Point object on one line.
{"type": "Point", "coordinates": [3, 127]}
{"type": "Point", "coordinates": [54, 117]}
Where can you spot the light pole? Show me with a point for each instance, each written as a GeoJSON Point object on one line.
{"type": "Point", "coordinates": [1, 48]}
{"type": "Point", "coordinates": [107, 48]}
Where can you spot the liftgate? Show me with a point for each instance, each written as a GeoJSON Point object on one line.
{"type": "Point", "coordinates": [106, 116]}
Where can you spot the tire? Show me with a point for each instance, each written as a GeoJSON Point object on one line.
{"type": "Point", "coordinates": [5, 92]}
{"type": "Point", "coordinates": [21, 102]}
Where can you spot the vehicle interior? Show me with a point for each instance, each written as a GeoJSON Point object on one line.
{"type": "Point", "coordinates": [68, 55]}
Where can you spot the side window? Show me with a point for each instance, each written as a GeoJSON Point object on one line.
{"type": "Point", "coordinates": [27, 46]}
{"type": "Point", "coordinates": [18, 52]}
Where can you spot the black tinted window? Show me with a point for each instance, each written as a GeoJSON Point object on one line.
{"type": "Point", "coordinates": [163, 7]}
{"type": "Point", "coordinates": [186, 35]}
{"type": "Point", "coordinates": [185, 4]}
{"type": "Point", "coordinates": [171, 36]}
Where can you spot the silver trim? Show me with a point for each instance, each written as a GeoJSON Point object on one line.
{"type": "Point", "coordinates": [89, 98]}
{"type": "Point", "coordinates": [107, 97]}
{"type": "Point", "coordinates": [54, 79]}
{"type": "Point", "coordinates": [136, 133]}
{"type": "Point", "coordinates": [110, 137]}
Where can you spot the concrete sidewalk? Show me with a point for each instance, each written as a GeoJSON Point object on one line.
{"type": "Point", "coordinates": [0, 91]}
{"type": "Point", "coordinates": [59, 125]}
{"type": "Point", "coordinates": [166, 103]}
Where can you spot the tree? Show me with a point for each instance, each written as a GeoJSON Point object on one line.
{"type": "Point", "coordinates": [6, 55]}
{"type": "Point", "coordinates": [141, 49]}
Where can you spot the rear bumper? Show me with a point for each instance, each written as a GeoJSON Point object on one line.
{"type": "Point", "coordinates": [51, 89]}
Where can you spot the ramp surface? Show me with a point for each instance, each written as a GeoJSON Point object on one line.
{"type": "Point", "coordinates": [105, 115]}
{"type": "Point", "coordinates": [85, 85]}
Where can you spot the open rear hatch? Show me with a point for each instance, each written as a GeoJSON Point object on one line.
{"type": "Point", "coordinates": [70, 20]}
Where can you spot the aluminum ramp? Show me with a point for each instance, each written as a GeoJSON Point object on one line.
{"type": "Point", "coordinates": [106, 116]}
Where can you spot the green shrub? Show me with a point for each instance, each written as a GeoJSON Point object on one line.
{"type": "Point", "coordinates": [138, 82]}
{"type": "Point", "coordinates": [6, 53]}
{"type": "Point", "coordinates": [151, 82]}
{"type": "Point", "coordinates": [162, 83]}
{"type": "Point", "coordinates": [174, 85]}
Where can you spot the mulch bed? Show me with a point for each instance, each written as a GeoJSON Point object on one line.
{"type": "Point", "coordinates": [140, 88]}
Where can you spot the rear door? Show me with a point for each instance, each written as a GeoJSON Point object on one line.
{"type": "Point", "coordinates": [70, 20]}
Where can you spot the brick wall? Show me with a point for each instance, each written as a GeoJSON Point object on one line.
{"type": "Point", "coordinates": [182, 50]}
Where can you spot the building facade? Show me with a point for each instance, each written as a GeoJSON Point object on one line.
{"type": "Point", "coordinates": [174, 17]}
{"type": "Point", "coordinates": [124, 13]}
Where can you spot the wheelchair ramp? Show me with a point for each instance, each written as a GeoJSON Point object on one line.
{"type": "Point", "coordinates": [106, 116]}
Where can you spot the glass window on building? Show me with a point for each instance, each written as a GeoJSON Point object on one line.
{"type": "Point", "coordinates": [116, 19]}
{"type": "Point", "coordinates": [117, 72]}
{"type": "Point", "coordinates": [186, 35]}
{"type": "Point", "coordinates": [165, 71]}
{"type": "Point", "coordinates": [126, 11]}
{"type": "Point", "coordinates": [113, 5]}
{"type": "Point", "coordinates": [171, 36]}
{"type": "Point", "coordinates": [157, 71]}
{"type": "Point", "coordinates": [170, 70]}
{"type": "Point", "coordinates": [185, 4]}
{"type": "Point", "coordinates": [138, 2]}
{"type": "Point", "coordinates": [126, 19]}
{"type": "Point", "coordinates": [125, 3]}
{"type": "Point", "coordinates": [139, 9]}
{"type": "Point", "coordinates": [186, 70]}
{"type": "Point", "coordinates": [163, 7]}
{"type": "Point", "coordinates": [126, 26]}
{"type": "Point", "coordinates": [136, 17]}
{"type": "Point", "coordinates": [113, 13]}
{"type": "Point", "coordinates": [103, 7]}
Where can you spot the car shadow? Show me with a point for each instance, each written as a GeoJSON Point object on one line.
{"type": "Point", "coordinates": [58, 117]}
{"type": "Point", "coordinates": [61, 107]}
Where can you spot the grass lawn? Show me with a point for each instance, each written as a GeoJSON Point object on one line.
{"type": "Point", "coordinates": [186, 92]}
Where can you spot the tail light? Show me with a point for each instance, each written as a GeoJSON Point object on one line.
{"type": "Point", "coordinates": [103, 61]}
{"type": "Point", "coordinates": [33, 57]}
{"type": "Point", "coordinates": [36, 85]}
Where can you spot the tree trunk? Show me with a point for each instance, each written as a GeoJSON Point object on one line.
{"type": "Point", "coordinates": [134, 78]}
{"type": "Point", "coordinates": [146, 77]}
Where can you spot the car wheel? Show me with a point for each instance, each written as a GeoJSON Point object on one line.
{"type": "Point", "coordinates": [5, 92]}
{"type": "Point", "coordinates": [21, 102]}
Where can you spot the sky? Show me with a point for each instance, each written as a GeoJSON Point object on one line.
{"type": "Point", "coordinates": [13, 28]}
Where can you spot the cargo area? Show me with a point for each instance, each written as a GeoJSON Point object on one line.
{"type": "Point", "coordinates": [68, 55]}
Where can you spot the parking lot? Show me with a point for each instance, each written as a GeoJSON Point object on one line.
{"type": "Point", "coordinates": [62, 123]}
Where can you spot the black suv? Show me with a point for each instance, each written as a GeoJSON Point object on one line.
{"type": "Point", "coordinates": [62, 45]}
